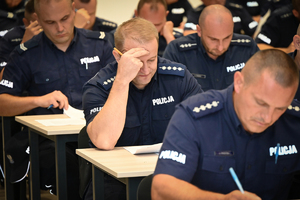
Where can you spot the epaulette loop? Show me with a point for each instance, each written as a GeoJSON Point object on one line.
{"type": "Point", "coordinates": [294, 108]}
{"type": "Point", "coordinates": [205, 108]}
{"type": "Point", "coordinates": [96, 34]}
{"type": "Point", "coordinates": [107, 81]}
{"type": "Point", "coordinates": [187, 46]}
{"type": "Point", "coordinates": [171, 69]}
{"type": "Point", "coordinates": [27, 45]}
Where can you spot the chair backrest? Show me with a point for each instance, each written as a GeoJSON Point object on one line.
{"type": "Point", "coordinates": [144, 188]}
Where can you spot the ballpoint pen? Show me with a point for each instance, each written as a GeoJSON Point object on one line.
{"type": "Point", "coordinates": [235, 178]}
{"type": "Point", "coordinates": [277, 152]}
{"type": "Point", "coordinates": [50, 106]}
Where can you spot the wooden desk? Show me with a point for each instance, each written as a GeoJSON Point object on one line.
{"type": "Point", "coordinates": [60, 135]}
{"type": "Point", "coordinates": [121, 164]}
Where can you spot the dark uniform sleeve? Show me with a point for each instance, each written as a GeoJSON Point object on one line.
{"type": "Point", "coordinates": [193, 18]}
{"type": "Point", "coordinates": [190, 85]}
{"type": "Point", "coordinates": [248, 24]}
{"type": "Point", "coordinates": [179, 152]}
{"type": "Point", "coordinates": [171, 52]}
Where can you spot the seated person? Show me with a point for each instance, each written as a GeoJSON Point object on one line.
{"type": "Point", "coordinates": [130, 101]}
{"type": "Point", "coordinates": [52, 67]}
{"type": "Point", "coordinates": [156, 12]}
{"type": "Point", "coordinates": [214, 53]}
{"type": "Point", "coordinates": [243, 22]}
{"type": "Point", "coordinates": [279, 29]}
{"type": "Point", "coordinates": [178, 9]}
{"type": "Point", "coordinates": [251, 126]}
{"type": "Point", "coordinates": [11, 14]}
{"type": "Point", "coordinates": [87, 8]}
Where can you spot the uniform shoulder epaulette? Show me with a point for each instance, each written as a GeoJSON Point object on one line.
{"type": "Point", "coordinates": [108, 23]}
{"type": "Point", "coordinates": [107, 80]}
{"type": "Point", "coordinates": [294, 108]}
{"type": "Point", "coordinates": [177, 34]}
{"type": "Point", "coordinates": [243, 40]}
{"type": "Point", "coordinates": [205, 107]}
{"type": "Point", "coordinates": [171, 69]}
{"type": "Point", "coordinates": [96, 35]}
{"type": "Point", "coordinates": [27, 45]}
{"type": "Point", "coordinates": [187, 43]}
{"type": "Point", "coordinates": [8, 15]}
{"type": "Point", "coordinates": [234, 5]}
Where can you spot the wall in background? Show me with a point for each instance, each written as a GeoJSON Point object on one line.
{"type": "Point", "coordinates": [121, 10]}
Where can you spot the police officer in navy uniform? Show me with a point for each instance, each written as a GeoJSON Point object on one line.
{"type": "Point", "coordinates": [11, 14]}
{"type": "Point", "coordinates": [215, 53]}
{"type": "Point", "coordinates": [133, 99]}
{"type": "Point", "coordinates": [88, 8]}
{"type": "Point", "coordinates": [178, 9]}
{"type": "Point", "coordinates": [156, 12]}
{"type": "Point", "coordinates": [279, 29]}
{"type": "Point", "coordinates": [243, 22]}
{"type": "Point", "coordinates": [16, 35]}
{"type": "Point", "coordinates": [52, 67]}
{"type": "Point", "coordinates": [240, 127]}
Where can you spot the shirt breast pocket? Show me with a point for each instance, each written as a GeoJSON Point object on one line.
{"type": "Point", "coordinates": [89, 70]}
{"type": "Point", "coordinates": [215, 173]}
{"type": "Point", "coordinates": [47, 82]}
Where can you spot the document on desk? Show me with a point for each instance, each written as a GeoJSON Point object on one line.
{"type": "Point", "coordinates": [76, 118]}
{"type": "Point", "coordinates": [154, 148]}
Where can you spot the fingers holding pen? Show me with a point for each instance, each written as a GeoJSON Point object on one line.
{"type": "Point", "coordinates": [55, 99]}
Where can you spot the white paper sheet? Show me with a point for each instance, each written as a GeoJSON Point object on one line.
{"type": "Point", "coordinates": [144, 148]}
{"type": "Point", "coordinates": [61, 122]}
{"type": "Point", "coordinates": [74, 113]}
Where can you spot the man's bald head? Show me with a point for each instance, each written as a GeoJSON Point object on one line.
{"type": "Point", "coordinates": [217, 12]}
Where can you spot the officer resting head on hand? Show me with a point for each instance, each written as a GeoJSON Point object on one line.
{"type": "Point", "coordinates": [52, 67]}
{"type": "Point", "coordinates": [130, 101]}
{"type": "Point", "coordinates": [214, 53]}
{"type": "Point", "coordinates": [240, 127]}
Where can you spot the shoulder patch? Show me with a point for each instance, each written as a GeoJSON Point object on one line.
{"type": "Point", "coordinates": [96, 35]}
{"type": "Point", "coordinates": [27, 45]}
{"type": "Point", "coordinates": [107, 81]}
{"type": "Point", "coordinates": [185, 46]}
{"type": "Point", "coordinates": [294, 108]}
{"type": "Point", "coordinates": [207, 107]}
{"type": "Point", "coordinates": [171, 69]}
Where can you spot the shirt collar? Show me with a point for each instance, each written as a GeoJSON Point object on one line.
{"type": "Point", "coordinates": [53, 45]}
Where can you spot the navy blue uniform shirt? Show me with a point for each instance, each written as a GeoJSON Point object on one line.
{"type": "Point", "coordinates": [279, 29]}
{"type": "Point", "coordinates": [39, 67]}
{"type": "Point", "coordinates": [149, 110]}
{"type": "Point", "coordinates": [253, 7]}
{"type": "Point", "coordinates": [243, 22]}
{"type": "Point", "coordinates": [177, 11]}
{"type": "Point", "coordinates": [11, 17]}
{"type": "Point", "coordinates": [104, 25]}
{"type": "Point", "coordinates": [162, 42]}
{"type": "Point", "coordinates": [8, 42]}
{"type": "Point", "coordinates": [205, 138]}
{"type": "Point", "coordinates": [211, 74]}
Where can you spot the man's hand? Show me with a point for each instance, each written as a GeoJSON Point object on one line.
{"type": "Point", "coordinates": [82, 19]}
{"type": "Point", "coordinates": [33, 29]}
{"type": "Point", "coordinates": [238, 195]}
{"type": "Point", "coordinates": [129, 64]}
{"type": "Point", "coordinates": [55, 98]}
{"type": "Point", "coordinates": [167, 31]}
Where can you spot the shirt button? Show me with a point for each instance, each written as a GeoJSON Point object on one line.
{"type": "Point", "coordinates": [217, 79]}
{"type": "Point", "coordinates": [249, 167]}
{"type": "Point", "coordinates": [221, 168]}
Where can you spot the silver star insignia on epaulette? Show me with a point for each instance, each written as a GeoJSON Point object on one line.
{"type": "Point", "coordinates": [108, 81]}
{"type": "Point", "coordinates": [207, 106]}
{"type": "Point", "coordinates": [296, 108]}
{"type": "Point", "coordinates": [171, 68]}
{"type": "Point", "coordinates": [241, 40]}
{"type": "Point", "coordinates": [187, 45]}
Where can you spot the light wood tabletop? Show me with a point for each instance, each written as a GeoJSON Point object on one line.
{"type": "Point", "coordinates": [119, 162]}
{"type": "Point", "coordinates": [30, 121]}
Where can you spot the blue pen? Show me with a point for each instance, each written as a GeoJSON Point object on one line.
{"type": "Point", "coordinates": [50, 106]}
{"type": "Point", "coordinates": [235, 178]}
{"type": "Point", "coordinates": [277, 152]}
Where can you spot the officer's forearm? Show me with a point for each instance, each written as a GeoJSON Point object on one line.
{"type": "Point", "coordinates": [167, 187]}
{"type": "Point", "coordinates": [14, 105]}
{"type": "Point", "coordinates": [106, 128]}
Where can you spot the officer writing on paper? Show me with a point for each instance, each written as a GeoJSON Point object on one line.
{"type": "Point", "coordinates": [130, 101]}
{"type": "Point", "coordinates": [239, 127]}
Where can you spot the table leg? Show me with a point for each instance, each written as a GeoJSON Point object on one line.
{"type": "Point", "coordinates": [132, 186]}
{"type": "Point", "coordinates": [34, 165]}
{"type": "Point", "coordinates": [98, 183]}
